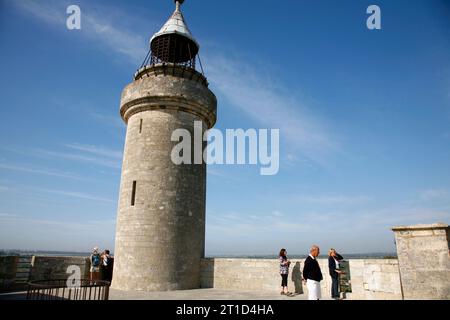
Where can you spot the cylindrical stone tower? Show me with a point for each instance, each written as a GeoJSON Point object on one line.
{"type": "Point", "coordinates": [160, 231]}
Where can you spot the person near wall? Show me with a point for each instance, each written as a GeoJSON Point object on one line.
{"type": "Point", "coordinates": [334, 259]}
{"type": "Point", "coordinates": [95, 260]}
{"type": "Point", "coordinates": [284, 271]}
{"type": "Point", "coordinates": [312, 274]}
{"type": "Point", "coordinates": [106, 266]}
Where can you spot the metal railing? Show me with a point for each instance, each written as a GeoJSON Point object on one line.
{"type": "Point", "coordinates": [59, 290]}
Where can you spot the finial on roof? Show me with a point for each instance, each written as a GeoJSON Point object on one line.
{"type": "Point", "coordinates": [178, 3]}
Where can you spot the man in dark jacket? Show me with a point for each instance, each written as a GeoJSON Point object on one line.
{"type": "Point", "coordinates": [334, 259]}
{"type": "Point", "coordinates": [312, 274]}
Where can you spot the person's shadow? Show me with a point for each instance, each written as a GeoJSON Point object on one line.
{"type": "Point", "coordinates": [297, 278]}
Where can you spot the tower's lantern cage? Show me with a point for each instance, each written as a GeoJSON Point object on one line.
{"type": "Point", "coordinates": [174, 43]}
{"type": "Point", "coordinates": [173, 48]}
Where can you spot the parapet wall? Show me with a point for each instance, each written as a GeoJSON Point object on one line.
{"type": "Point", "coordinates": [46, 268]}
{"type": "Point", "coordinates": [8, 270]}
{"type": "Point", "coordinates": [375, 279]}
{"type": "Point", "coordinates": [370, 278]}
{"type": "Point", "coordinates": [423, 263]}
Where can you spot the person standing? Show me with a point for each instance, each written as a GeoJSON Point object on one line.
{"type": "Point", "coordinates": [334, 259]}
{"type": "Point", "coordinates": [284, 271]}
{"type": "Point", "coordinates": [95, 260]}
{"type": "Point", "coordinates": [106, 266]}
{"type": "Point", "coordinates": [312, 274]}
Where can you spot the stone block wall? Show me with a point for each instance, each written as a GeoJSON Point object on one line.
{"type": "Point", "coordinates": [256, 274]}
{"type": "Point", "coordinates": [248, 274]}
{"type": "Point", "coordinates": [375, 279]}
{"type": "Point", "coordinates": [424, 260]}
{"type": "Point", "coordinates": [370, 278]}
{"type": "Point", "coordinates": [45, 268]}
{"type": "Point", "coordinates": [8, 270]}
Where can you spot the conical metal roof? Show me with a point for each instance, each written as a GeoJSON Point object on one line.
{"type": "Point", "coordinates": [176, 25]}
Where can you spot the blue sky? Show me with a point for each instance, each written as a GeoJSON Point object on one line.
{"type": "Point", "coordinates": [364, 119]}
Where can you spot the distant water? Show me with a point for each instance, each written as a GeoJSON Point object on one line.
{"type": "Point", "coordinates": [377, 255]}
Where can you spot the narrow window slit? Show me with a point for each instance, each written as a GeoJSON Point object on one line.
{"type": "Point", "coordinates": [140, 126]}
{"type": "Point", "coordinates": [133, 194]}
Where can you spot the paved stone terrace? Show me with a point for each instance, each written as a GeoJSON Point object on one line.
{"type": "Point", "coordinates": [196, 294]}
{"type": "Point", "coordinates": [202, 294]}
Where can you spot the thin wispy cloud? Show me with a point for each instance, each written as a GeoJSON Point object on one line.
{"type": "Point", "coordinates": [435, 195]}
{"type": "Point", "coordinates": [110, 120]}
{"type": "Point", "coordinates": [277, 221]}
{"type": "Point", "coordinates": [85, 156]}
{"type": "Point", "coordinates": [8, 215]}
{"type": "Point", "coordinates": [79, 195]}
{"type": "Point", "coordinates": [98, 29]}
{"type": "Point", "coordinates": [78, 235]}
{"type": "Point", "coordinates": [43, 11]}
{"type": "Point", "coordinates": [78, 152]}
{"type": "Point", "coordinates": [43, 171]}
{"type": "Point", "coordinates": [216, 173]}
{"type": "Point", "coordinates": [93, 225]}
{"type": "Point", "coordinates": [234, 223]}
{"type": "Point", "coordinates": [332, 199]}
{"type": "Point", "coordinates": [397, 215]}
{"type": "Point", "coordinates": [277, 214]}
{"type": "Point", "coordinates": [244, 85]}
{"type": "Point", "coordinates": [96, 150]}
{"type": "Point", "coordinates": [119, 40]}
{"type": "Point", "coordinates": [300, 231]}
{"type": "Point", "coordinates": [252, 91]}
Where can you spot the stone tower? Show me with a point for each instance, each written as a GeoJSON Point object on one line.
{"type": "Point", "coordinates": [160, 231]}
